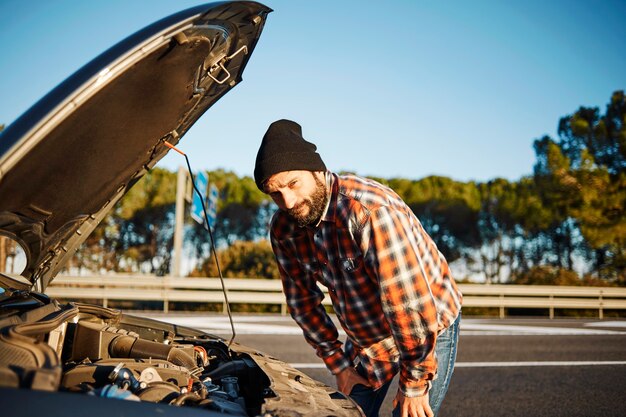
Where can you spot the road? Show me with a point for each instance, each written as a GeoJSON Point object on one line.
{"type": "Point", "coordinates": [510, 367]}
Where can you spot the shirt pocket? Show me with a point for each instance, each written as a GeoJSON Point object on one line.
{"type": "Point", "coordinates": [355, 278]}
{"type": "Point", "coordinates": [351, 265]}
{"type": "Point", "coordinates": [359, 295]}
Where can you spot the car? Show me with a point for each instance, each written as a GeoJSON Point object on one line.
{"type": "Point", "coordinates": [63, 166]}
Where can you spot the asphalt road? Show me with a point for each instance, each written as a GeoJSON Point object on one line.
{"type": "Point", "coordinates": [511, 367]}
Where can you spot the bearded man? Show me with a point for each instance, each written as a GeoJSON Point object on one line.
{"type": "Point", "coordinates": [390, 287]}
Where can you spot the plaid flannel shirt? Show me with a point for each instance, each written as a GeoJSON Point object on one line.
{"type": "Point", "coordinates": [390, 286]}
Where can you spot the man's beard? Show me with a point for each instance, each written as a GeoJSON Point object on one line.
{"type": "Point", "coordinates": [316, 204]}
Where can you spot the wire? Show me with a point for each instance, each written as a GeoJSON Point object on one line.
{"type": "Point", "coordinates": [208, 228]}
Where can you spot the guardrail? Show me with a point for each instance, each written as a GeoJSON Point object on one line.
{"type": "Point", "coordinates": [267, 291]}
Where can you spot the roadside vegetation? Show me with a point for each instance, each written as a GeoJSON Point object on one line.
{"type": "Point", "coordinates": [563, 225]}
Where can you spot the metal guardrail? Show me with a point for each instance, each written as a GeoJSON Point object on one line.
{"type": "Point", "coordinates": [267, 291]}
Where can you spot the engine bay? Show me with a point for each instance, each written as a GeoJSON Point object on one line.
{"type": "Point", "coordinates": [97, 351]}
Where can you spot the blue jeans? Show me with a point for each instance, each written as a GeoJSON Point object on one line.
{"type": "Point", "coordinates": [370, 400]}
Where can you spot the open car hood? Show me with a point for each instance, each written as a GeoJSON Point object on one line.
{"type": "Point", "coordinates": [67, 160]}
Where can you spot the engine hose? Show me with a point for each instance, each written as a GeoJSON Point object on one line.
{"type": "Point", "coordinates": [181, 358]}
{"type": "Point", "coordinates": [131, 347]}
{"type": "Point", "coordinates": [229, 368]}
{"type": "Point", "coordinates": [190, 396]}
{"type": "Point", "coordinates": [44, 326]}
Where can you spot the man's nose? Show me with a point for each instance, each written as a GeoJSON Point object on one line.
{"type": "Point", "coordinates": [289, 199]}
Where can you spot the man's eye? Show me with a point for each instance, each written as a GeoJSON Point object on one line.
{"type": "Point", "coordinates": [293, 183]}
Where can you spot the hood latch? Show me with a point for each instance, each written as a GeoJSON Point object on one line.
{"type": "Point", "coordinates": [221, 64]}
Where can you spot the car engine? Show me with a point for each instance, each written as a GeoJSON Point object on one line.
{"type": "Point", "coordinates": [97, 351]}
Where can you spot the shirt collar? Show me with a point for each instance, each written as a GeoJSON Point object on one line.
{"type": "Point", "coordinates": [328, 215]}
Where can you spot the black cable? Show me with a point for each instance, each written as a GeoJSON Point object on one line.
{"type": "Point", "coordinates": [206, 225]}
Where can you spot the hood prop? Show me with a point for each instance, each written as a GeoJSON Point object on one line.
{"type": "Point", "coordinates": [213, 248]}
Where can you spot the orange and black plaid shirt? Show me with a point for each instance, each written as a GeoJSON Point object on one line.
{"type": "Point", "coordinates": [390, 286]}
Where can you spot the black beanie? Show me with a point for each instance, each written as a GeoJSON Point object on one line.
{"type": "Point", "coordinates": [284, 149]}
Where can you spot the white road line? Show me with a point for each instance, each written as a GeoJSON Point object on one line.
{"type": "Point", "coordinates": [495, 364]}
{"type": "Point", "coordinates": [606, 324]}
{"type": "Point", "coordinates": [221, 325]}
{"type": "Point", "coordinates": [493, 329]}
{"type": "Point", "coordinates": [241, 328]}
{"type": "Point", "coordinates": [274, 325]}
{"type": "Point", "coordinates": [210, 318]}
{"type": "Point", "coordinates": [540, 363]}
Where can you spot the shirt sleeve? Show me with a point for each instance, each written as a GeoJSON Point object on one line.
{"type": "Point", "coordinates": [402, 253]}
{"type": "Point", "coordinates": [304, 303]}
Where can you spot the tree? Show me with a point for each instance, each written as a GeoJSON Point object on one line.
{"type": "Point", "coordinates": [243, 213]}
{"type": "Point", "coordinates": [243, 260]}
{"type": "Point", "coordinates": [137, 236]}
{"type": "Point", "coordinates": [546, 275]}
{"type": "Point", "coordinates": [572, 208]}
{"type": "Point", "coordinates": [582, 180]}
{"type": "Point", "coordinates": [496, 227]}
{"type": "Point", "coordinates": [146, 222]}
{"type": "Point", "coordinates": [602, 138]}
{"type": "Point", "coordinates": [559, 190]}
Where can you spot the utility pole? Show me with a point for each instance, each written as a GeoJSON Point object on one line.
{"type": "Point", "coordinates": [181, 188]}
{"type": "Point", "coordinates": [3, 254]}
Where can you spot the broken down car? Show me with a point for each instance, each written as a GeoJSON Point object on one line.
{"type": "Point", "coordinates": [64, 164]}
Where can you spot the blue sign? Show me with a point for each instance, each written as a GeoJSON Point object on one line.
{"type": "Point", "coordinates": [212, 206]}
{"type": "Point", "coordinates": [202, 181]}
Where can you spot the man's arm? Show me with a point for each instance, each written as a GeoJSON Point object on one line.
{"type": "Point", "coordinates": [403, 258]}
{"type": "Point", "coordinates": [304, 303]}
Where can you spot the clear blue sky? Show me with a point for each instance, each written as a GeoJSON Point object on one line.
{"type": "Point", "coordinates": [398, 88]}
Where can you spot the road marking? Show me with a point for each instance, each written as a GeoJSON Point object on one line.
{"type": "Point", "coordinates": [495, 364]}
{"type": "Point", "coordinates": [606, 324]}
{"type": "Point", "coordinates": [540, 363]}
{"type": "Point", "coordinates": [478, 329]}
{"type": "Point", "coordinates": [221, 325]}
{"type": "Point", "coordinates": [280, 325]}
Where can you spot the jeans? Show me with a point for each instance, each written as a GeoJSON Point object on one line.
{"type": "Point", "coordinates": [370, 400]}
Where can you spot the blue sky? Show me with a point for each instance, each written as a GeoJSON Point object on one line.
{"type": "Point", "coordinates": [391, 89]}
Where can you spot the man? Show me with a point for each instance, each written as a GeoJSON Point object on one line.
{"type": "Point", "coordinates": [390, 287]}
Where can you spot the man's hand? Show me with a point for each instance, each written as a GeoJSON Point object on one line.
{"type": "Point", "coordinates": [348, 378]}
{"type": "Point", "coordinates": [413, 406]}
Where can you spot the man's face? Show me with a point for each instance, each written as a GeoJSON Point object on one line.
{"type": "Point", "coordinates": [302, 194]}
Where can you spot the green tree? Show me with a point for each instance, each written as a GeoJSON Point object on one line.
{"type": "Point", "coordinates": [582, 180]}
{"type": "Point", "coordinates": [572, 207]}
{"type": "Point", "coordinates": [137, 235]}
{"type": "Point", "coordinates": [243, 260]}
{"type": "Point", "coordinates": [146, 217]}
{"type": "Point", "coordinates": [496, 228]}
{"type": "Point", "coordinates": [243, 213]}
{"type": "Point", "coordinates": [601, 137]}
{"type": "Point", "coordinates": [240, 204]}
{"type": "Point", "coordinates": [546, 275]}
{"type": "Point", "coordinates": [559, 190]}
